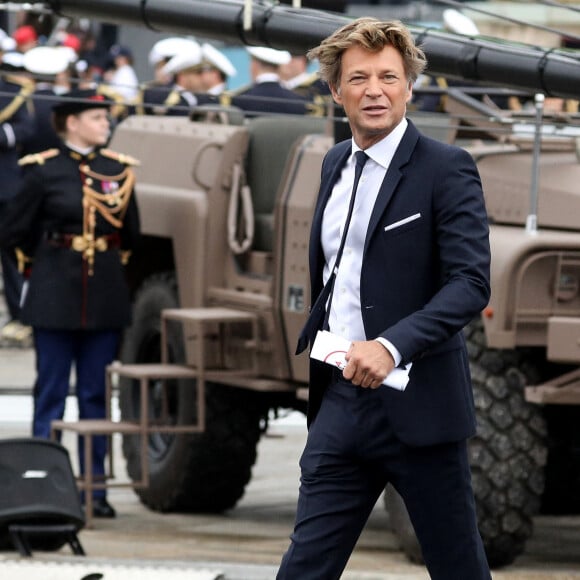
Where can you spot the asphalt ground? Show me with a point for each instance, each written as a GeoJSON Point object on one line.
{"type": "Point", "coordinates": [247, 542]}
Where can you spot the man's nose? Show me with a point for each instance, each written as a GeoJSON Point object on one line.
{"type": "Point", "coordinates": [373, 88]}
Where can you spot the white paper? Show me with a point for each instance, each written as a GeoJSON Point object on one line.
{"type": "Point", "coordinates": [331, 349]}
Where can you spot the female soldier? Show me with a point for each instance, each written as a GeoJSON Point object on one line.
{"type": "Point", "coordinates": [77, 216]}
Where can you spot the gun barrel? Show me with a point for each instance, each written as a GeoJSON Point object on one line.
{"type": "Point", "coordinates": [473, 59]}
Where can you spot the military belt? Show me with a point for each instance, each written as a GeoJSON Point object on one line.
{"type": "Point", "coordinates": [80, 243]}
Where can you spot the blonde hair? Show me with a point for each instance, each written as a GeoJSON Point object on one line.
{"type": "Point", "coordinates": [373, 35]}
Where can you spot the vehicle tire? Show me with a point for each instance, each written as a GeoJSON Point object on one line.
{"type": "Point", "coordinates": [205, 472]}
{"type": "Point", "coordinates": [507, 455]}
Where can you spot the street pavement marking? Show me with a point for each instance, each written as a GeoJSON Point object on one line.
{"type": "Point", "coordinates": [67, 571]}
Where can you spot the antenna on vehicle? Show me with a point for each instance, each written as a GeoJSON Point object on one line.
{"type": "Point", "coordinates": [532, 219]}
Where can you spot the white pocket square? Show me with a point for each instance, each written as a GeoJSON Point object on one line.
{"type": "Point", "coordinates": [402, 222]}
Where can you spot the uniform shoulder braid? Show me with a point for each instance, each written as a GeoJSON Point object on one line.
{"type": "Point", "coordinates": [26, 89]}
{"type": "Point", "coordinates": [27, 85]}
{"type": "Point", "coordinates": [120, 157]}
{"type": "Point", "coordinates": [38, 158]}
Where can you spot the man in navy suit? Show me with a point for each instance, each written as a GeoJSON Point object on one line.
{"type": "Point", "coordinates": [414, 271]}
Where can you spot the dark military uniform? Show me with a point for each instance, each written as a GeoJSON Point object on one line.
{"type": "Point", "coordinates": [16, 127]}
{"type": "Point", "coordinates": [151, 98]}
{"type": "Point", "coordinates": [70, 286]}
{"type": "Point", "coordinates": [309, 85]}
{"type": "Point", "coordinates": [270, 97]}
{"type": "Point", "coordinates": [78, 216]}
{"type": "Point", "coordinates": [315, 90]}
{"type": "Point", "coordinates": [157, 99]}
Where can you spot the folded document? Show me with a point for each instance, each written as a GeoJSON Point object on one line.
{"type": "Point", "coordinates": [331, 349]}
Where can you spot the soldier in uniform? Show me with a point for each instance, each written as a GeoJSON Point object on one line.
{"type": "Point", "coordinates": [266, 94]}
{"type": "Point", "coordinates": [217, 69]}
{"type": "Point", "coordinates": [49, 66]}
{"type": "Point", "coordinates": [77, 216]}
{"type": "Point", "coordinates": [187, 89]}
{"type": "Point", "coordinates": [163, 51]}
{"type": "Point", "coordinates": [299, 79]}
{"type": "Point", "coordinates": [152, 94]}
{"type": "Point", "coordinates": [16, 127]}
{"type": "Point", "coordinates": [296, 77]}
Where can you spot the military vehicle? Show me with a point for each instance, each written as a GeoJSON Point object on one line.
{"type": "Point", "coordinates": [226, 207]}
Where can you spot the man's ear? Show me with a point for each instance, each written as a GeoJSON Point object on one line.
{"type": "Point", "coordinates": [335, 92]}
{"type": "Point", "coordinates": [409, 91]}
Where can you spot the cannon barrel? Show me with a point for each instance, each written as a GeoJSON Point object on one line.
{"type": "Point", "coordinates": [473, 59]}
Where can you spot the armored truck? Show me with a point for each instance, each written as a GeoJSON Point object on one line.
{"type": "Point", "coordinates": [221, 283]}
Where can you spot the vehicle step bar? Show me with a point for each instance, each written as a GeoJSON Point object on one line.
{"type": "Point", "coordinates": [562, 390]}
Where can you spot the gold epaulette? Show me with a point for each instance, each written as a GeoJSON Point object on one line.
{"type": "Point", "coordinates": [27, 84]}
{"type": "Point", "coordinates": [26, 89]}
{"type": "Point", "coordinates": [225, 99]}
{"type": "Point", "coordinates": [173, 98]}
{"type": "Point", "coordinates": [230, 93]}
{"type": "Point", "coordinates": [120, 157]}
{"type": "Point", "coordinates": [38, 158]}
{"type": "Point", "coordinates": [308, 81]}
{"type": "Point", "coordinates": [118, 109]}
{"type": "Point", "coordinates": [319, 107]}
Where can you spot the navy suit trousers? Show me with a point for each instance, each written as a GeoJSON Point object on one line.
{"type": "Point", "coordinates": [91, 352]}
{"type": "Point", "coordinates": [350, 455]}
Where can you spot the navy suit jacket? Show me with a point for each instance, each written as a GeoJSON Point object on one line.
{"type": "Point", "coordinates": [425, 275]}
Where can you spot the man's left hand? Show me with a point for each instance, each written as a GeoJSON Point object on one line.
{"type": "Point", "coordinates": [368, 364]}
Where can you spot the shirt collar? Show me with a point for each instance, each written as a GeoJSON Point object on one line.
{"type": "Point", "coordinates": [268, 78]}
{"type": "Point", "coordinates": [84, 151]}
{"type": "Point", "coordinates": [217, 89]}
{"type": "Point", "coordinates": [382, 152]}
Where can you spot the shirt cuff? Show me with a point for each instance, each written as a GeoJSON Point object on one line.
{"type": "Point", "coordinates": [397, 356]}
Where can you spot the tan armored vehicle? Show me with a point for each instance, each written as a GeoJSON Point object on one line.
{"type": "Point", "coordinates": [222, 283]}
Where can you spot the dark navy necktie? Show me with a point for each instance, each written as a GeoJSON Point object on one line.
{"type": "Point", "coordinates": [318, 317]}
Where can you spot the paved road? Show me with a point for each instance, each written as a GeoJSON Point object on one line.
{"type": "Point", "coordinates": [247, 542]}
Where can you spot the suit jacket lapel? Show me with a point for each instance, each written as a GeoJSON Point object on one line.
{"type": "Point", "coordinates": [392, 178]}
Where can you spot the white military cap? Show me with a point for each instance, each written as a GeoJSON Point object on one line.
{"type": "Point", "coordinates": [190, 58]}
{"type": "Point", "coordinates": [69, 52]}
{"type": "Point", "coordinates": [46, 60]}
{"type": "Point", "coordinates": [270, 55]}
{"type": "Point", "coordinates": [168, 48]}
{"type": "Point", "coordinates": [459, 23]}
{"type": "Point", "coordinates": [7, 43]}
{"type": "Point", "coordinates": [218, 59]}
{"type": "Point", "coordinates": [13, 59]}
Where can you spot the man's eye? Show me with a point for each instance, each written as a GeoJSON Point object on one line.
{"type": "Point", "coordinates": [357, 79]}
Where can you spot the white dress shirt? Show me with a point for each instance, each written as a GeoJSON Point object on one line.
{"type": "Point", "coordinates": [345, 313]}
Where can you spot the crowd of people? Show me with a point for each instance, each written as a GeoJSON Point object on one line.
{"type": "Point", "coordinates": [37, 74]}
{"type": "Point", "coordinates": [68, 217]}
